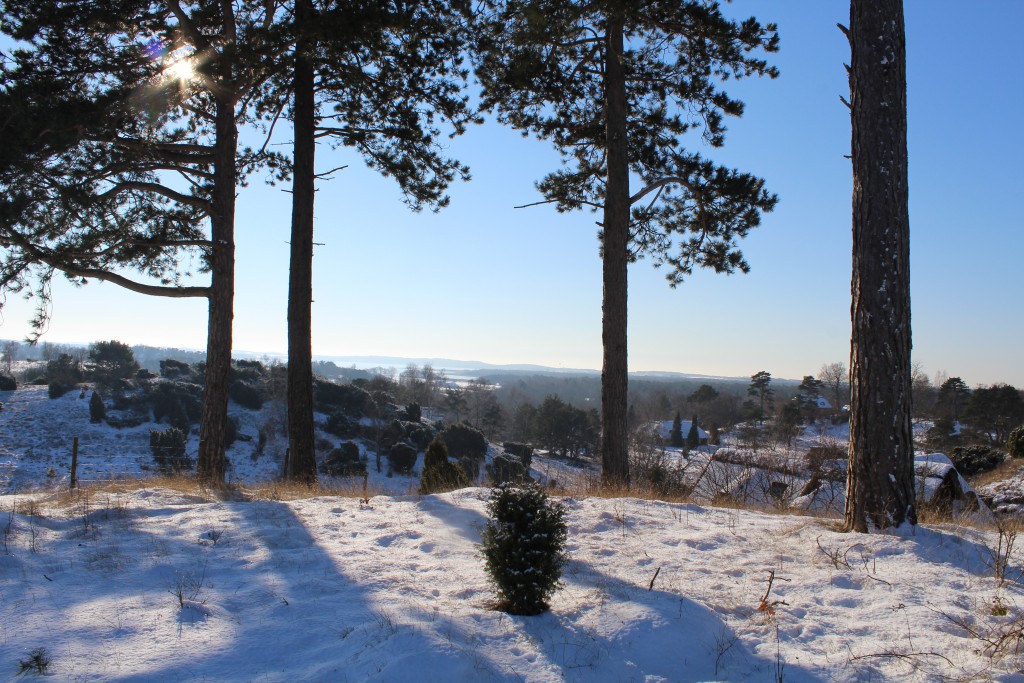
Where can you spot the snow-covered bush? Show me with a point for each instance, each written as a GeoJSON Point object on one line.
{"type": "Point", "coordinates": [440, 474]}
{"type": "Point", "coordinates": [523, 545]}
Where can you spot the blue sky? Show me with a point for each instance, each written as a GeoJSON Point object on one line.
{"type": "Point", "coordinates": [484, 281]}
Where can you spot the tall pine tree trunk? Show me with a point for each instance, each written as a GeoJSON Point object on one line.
{"type": "Point", "coordinates": [614, 373]}
{"type": "Point", "coordinates": [302, 461]}
{"type": "Point", "coordinates": [880, 484]}
{"type": "Point", "coordinates": [212, 463]}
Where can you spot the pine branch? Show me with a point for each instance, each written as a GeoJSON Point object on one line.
{"type": "Point", "coordinates": [157, 188]}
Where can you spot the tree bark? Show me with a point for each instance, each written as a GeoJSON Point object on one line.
{"type": "Point", "coordinates": [615, 260]}
{"type": "Point", "coordinates": [212, 464]}
{"type": "Point", "coordinates": [880, 484]}
{"type": "Point", "coordinates": [302, 461]}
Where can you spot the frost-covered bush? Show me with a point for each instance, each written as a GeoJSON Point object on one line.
{"type": "Point", "coordinates": [1015, 443]}
{"type": "Point", "coordinates": [168, 447]}
{"type": "Point", "coordinates": [96, 410]}
{"type": "Point", "coordinates": [508, 468]}
{"type": "Point", "coordinates": [8, 383]}
{"type": "Point", "coordinates": [971, 460]}
{"type": "Point", "coordinates": [402, 457]}
{"type": "Point", "coordinates": [523, 545]}
{"type": "Point", "coordinates": [464, 441]}
{"type": "Point", "coordinates": [440, 474]}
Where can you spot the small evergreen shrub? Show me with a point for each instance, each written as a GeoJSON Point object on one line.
{"type": "Point", "coordinates": [96, 410]}
{"type": "Point", "coordinates": [1015, 443]}
{"type": "Point", "coordinates": [471, 468]}
{"type": "Point", "coordinates": [971, 460]}
{"type": "Point", "coordinates": [246, 394]}
{"type": "Point", "coordinates": [508, 468]}
{"type": "Point", "coordinates": [251, 371]}
{"type": "Point", "coordinates": [344, 461]}
{"type": "Point", "coordinates": [175, 369]}
{"type": "Point", "coordinates": [402, 457]}
{"type": "Point", "coordinates": [523, 545]}
{"type": "Point", "coordinates": [58, 389]}
{"type": "Point", "coordinates": [346, 397]}
{"type": "Point", "coordinates": [168, 447]}
{"type": "Point", "coordinates": [440, 474]}
{"type": "Point", "coordinates": [341, 425]}
{"type": "Point", "coordinates": [8, 383]}
{"type": "Point", "coordinates": [180, 403]}
{"type": "Point", "coordinates": [522, 451]}
{"type": "Point", "coordinates": [413, 412]}
{"type": "Point", "coordinates": [464, 441]}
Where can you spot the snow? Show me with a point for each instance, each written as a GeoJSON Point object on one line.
{"type": "Point", "coordinates": [331, 589]}
{"type": "Point", "coordinates": [157, 583]}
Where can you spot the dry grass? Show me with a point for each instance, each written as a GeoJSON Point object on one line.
{"type": "Point", "coordinates": [1005, 470]}
{"type": "Point", "coordinates": [95, 494]}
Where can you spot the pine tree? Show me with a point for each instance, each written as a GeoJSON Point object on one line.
{"type": "Point", "coordinates": [108, 101]}
{"type": "Point", "coordinates": [676, 437]}
{"type": "Point", "coordinates": [761, 387]}
{"type": "Point", "coordinates": [692, 436]}
{"type": "Point", "coordinates": [616, 86]}
{"type": "Point", "coordinates": [880, 481]}
{"type": "Point", "coordinates": [376, 78]}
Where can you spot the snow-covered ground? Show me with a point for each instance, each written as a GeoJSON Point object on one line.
{"type": "Point", "coordinates": [329, 589]}
{"type": "Point", "coordinates": [171, 584]}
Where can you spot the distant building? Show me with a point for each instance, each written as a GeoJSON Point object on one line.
{"type": "Point", "coordinates": [664, 431]}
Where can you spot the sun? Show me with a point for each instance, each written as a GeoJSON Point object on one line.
{"type": "Point", "coordinates": [181, 70]}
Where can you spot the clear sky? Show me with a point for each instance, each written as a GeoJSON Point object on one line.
{"type": "Point", "coordinates": [484, 281]}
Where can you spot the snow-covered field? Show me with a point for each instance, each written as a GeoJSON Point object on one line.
{"type": "Point", "coordinates": [157, 583]}
{"type": "Point", "coordinates": [329, 589]}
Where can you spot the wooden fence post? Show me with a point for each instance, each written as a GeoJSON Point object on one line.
{"type": "Point", "coordinates": [74, 463]}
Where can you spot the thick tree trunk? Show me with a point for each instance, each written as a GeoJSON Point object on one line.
{"type": "Point", "coordinates": [301, 464]}
{"type": "Point", "coordinates": [614, 373]}
{"type": "Point", "coordinates": [880, 484]}
{"type": "Point", "coordinates": [212, 462]}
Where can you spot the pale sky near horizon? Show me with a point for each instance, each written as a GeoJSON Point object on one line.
{"type": "Point", "coordinates": [484, 281]}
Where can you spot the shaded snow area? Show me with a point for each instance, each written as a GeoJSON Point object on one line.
{"type": "Point", "coordinates": [159, 585]}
